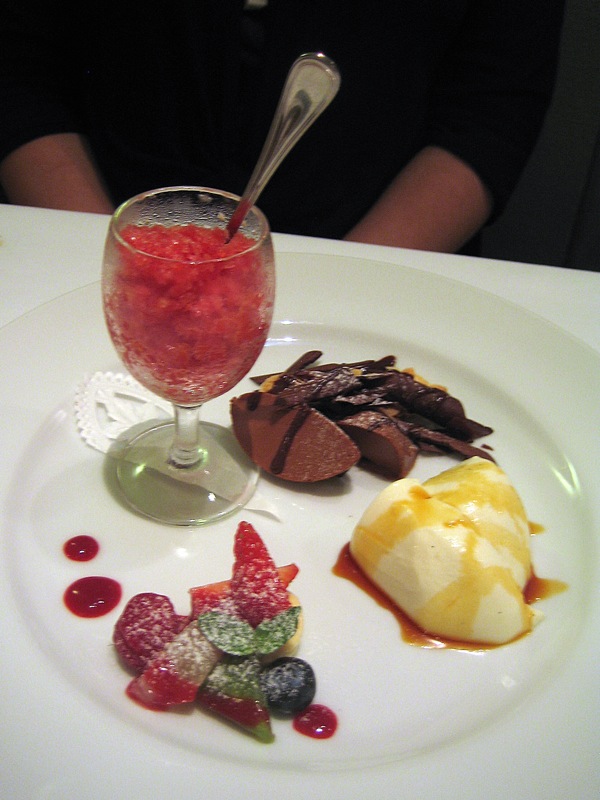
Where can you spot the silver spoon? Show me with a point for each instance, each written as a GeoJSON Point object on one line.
{"type": "Point", "coordinates": [311, 84]}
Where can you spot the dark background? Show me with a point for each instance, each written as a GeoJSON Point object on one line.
{"type": "Point", "coordinates": [554, 216]}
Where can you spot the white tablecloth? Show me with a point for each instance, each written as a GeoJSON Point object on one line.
{"type": "Point", "coordinates": [44, 254]}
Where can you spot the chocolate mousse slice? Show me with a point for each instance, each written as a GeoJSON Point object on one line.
{"type": "Point", "coordinates": [296, 443]}
{"type": "Point", "coordinates": [381, 442]}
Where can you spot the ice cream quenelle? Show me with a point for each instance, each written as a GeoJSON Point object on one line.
{"type": "Point", "coordinates": [452, 552]}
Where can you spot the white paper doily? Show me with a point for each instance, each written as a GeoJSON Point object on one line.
{"type": "Point", "coordinates": [109, 403]}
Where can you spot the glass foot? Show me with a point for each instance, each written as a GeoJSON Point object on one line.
{"type": "Point", "coordinates": [220, 482]}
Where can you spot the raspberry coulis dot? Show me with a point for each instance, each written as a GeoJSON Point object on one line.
{"type": "Point", "coordinates": [316, 721]}
{"type": "Point", "coordinates": [81, 548]}
{"type": "Point", "coordinates": [92, 596]}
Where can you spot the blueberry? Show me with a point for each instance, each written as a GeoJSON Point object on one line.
{"type": "Point", "coordinates": [289, 685]}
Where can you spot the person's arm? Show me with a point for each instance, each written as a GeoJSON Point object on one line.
{"type": "Point", "coordinates": [436, 203]}
{"type": "Point", "coordinates": [54, 171]}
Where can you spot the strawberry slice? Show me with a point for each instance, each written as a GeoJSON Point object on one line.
{"type": "Point", "coordinates": [174, 675]}
{"type": "Point", "coordinates": [257, 589]}
{"type": "Point", "coordinates": [215, 596]}
{"type": "Point", "coordinates": [232, 690]}
{"type": "Point", "coordinates": [148, 622]}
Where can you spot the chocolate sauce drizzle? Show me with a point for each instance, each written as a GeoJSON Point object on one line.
{"type": "Point", "coordinates": [279, 459]}
{"type": "Point", "coordinates": [252, 401]}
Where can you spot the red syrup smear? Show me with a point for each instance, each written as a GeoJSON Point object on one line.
{"type": "Point", "coordinates": [93, 596]}
{"type": "Point", "coordinates": [81, 548]}
{"type": "Point", "coordinates": [316, 721]}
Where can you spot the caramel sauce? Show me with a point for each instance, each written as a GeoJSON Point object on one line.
{"type": "Point", "coordinates": [542, 588]}
{"type": "Point", "coordinates": [535, 527]}
{"type": "Point", "coordinates": [346, 567]}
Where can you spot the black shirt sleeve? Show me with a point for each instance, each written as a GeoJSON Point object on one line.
{"type": "Point", "coordinates": [494, 87]}
{"type": "Point", "coordinates": [37, 79]}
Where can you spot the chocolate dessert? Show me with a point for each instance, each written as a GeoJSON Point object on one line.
{"type": "Point", "coordinates": [312, 422]}
{"type": "Point", "coordinates": [381, 442]}
{"type": "Point", "coordinates": [296, 443]}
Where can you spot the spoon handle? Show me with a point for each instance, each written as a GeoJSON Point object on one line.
{"type": "Point", "coordinates": [311, 84]}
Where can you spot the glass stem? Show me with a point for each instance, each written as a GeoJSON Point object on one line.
{"type": "Point", "coordinates": [186, 450]}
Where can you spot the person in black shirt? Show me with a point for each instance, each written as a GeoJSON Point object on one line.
{"type": "Point", "coordinates": [440, 107]}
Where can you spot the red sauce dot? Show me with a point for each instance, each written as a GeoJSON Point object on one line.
{"type": "Point", "coordinates": [316, 721]}
{"type": "Point", "coordinates": [81, 548]}
{"type": "Point", "coordinates": [93, 596]}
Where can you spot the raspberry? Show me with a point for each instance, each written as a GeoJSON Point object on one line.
{"type": "Point", "coordinates": [147, 624]}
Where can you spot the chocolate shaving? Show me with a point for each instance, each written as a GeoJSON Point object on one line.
{"type": "Point", "coordinates": [314, 386]}
{"type": "Point", "coordinates": [305, 360]}
{"type": "Point", "coordinates": [365, 367]}
{"type": "Point", "coordinates": [434, 403]}
{"type": "Point", "coordinates": [311, 356]}
{"type": "Point", "coordinates": [436, 441]}
{"type": "Point", "coordinates": [431, 418]}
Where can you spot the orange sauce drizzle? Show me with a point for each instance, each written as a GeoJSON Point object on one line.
{"type": "Point", "coordinates": [346, 567]}
{"type": "Point", "coordinates": [535, 527]}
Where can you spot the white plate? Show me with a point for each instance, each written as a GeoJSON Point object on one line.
{"type": "Point", "coordinates": [518, 721]}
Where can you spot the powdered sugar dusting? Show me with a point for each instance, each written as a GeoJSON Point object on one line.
{"type": "Point", "coordinates": [192, 655]}
{"type": "Point", "coordinates": [240, 676]}
{"type": "Point", "coordinates": [146, 625]}
{"type": "Point", "coordinates": [259, 593]}
{"type": "Point", "coordinates": [204, 599]}
{"type": "Point", "coordinates": [257, 588]}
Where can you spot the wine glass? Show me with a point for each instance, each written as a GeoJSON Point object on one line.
{"type": "Point", "coordinates": [188, 312]}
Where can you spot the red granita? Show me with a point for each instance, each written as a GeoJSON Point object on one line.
{"type": "Point", "coordinates": [186, 327]}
